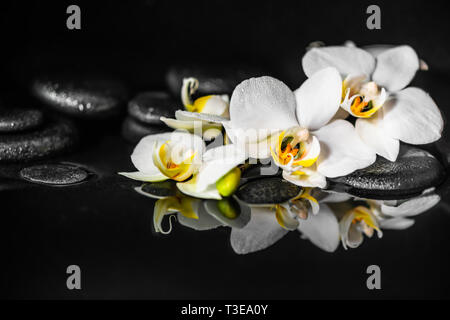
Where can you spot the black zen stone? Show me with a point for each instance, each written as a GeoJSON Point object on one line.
{"type": "Point", "coordinates": [52, 139]}
{"type": "Point", "coordinates": [133, 131]}
{"type": "Point", "coordinates": [88, 97]}
{"type": "Point", "coordinates": [13, 120]}
{"type": "Point", "coordinates": [267, 191]}
{"type": "Point", "coordinates": [54, 174]}
{"type": "Point", "coordinates": [213, 79]}
{"type": "Point", "coordinates": [414, 171]}
{"type": "Point", "coordinates": [148, 107]}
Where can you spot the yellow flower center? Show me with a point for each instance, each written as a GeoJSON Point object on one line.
{"type": "Point", "coordinates": [175, 163]}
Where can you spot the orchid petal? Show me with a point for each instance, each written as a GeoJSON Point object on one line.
{"type": "Point", "coordinates": [318, 98]}
{"type": "Point", "coordinates": [261, 232]}
{"type": "Point", "coordinates": [261, 105]}
{"type": "Point", "coordinates": [322, 229]}
{"type": "Point", "coordinates": [411, 207]}
{"type": "Point", "coordinates": [216, 163]}
{"type": "Point", "coordinates": [342, 151]}
{"type": "Point", "coordinates": [306, 177]}
{"type": "Point", "coordinates": [413, 117]}
{"type": "Point", "coordinates": [142, 154]}
{"type": "Point", "coordinates": [347, 60]}
{"type": "Point", "coordinates": [191, 116]}
{"type": "Point", "coordinates": [146, 177]}
{"type": "Point", "coordinates": [396, 223]}
{"type": "Point", "coordinates": [190, 188]}
{"type": "Point", "coordinates": [372, 134]}
{"type": "Point", "coordinates": [396, 67]}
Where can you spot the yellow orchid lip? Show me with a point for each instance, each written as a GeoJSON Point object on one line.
{"type": "Point", "coordinates": [178, 171]}
{"type": "Point", "coordinates": [293, 150]}
{"type": "Point", "coordinates": [364, 216]}
{"type": "Point", "coordinates": [363, 99]}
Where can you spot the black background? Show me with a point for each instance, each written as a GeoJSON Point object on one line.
{"type": "Point", "coordinates": [104, 227]}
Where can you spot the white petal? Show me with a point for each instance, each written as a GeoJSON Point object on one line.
{"type": "Point", "coordinates": [322, 229]}
{"type": "Point", "coordinates": [310, 178]}
{"type": "Point", "coordinates": [396, 223]}
{"type": "Point", "coordinates": [261, 105]}
{"type": "Point", "coordinates": [318, 98]}
{"type": "Point", "coordinates": [191, 116]}
{"type": "Point", "coordinates": [411, 207]}
{"type": "Point", "coordinates": [204, 222]}
{"type": "Point", "coordinates": [261, 232]}
{"type": "Point", "coordinates": [142, 154]}
{"type": "Point", "coordinates": [189, 188]}
{"type": "Point", "coordinates": [215, 106]}
{"type": "Point", "coordinates": [413, 117]}
{"type": "Point", "coordinates": [396, 67]}
{"type": "Point", "coordinates": [333, 197]}
{"type": "Point", "coordinates": [217, 162]}
{"type": "Point", "coordinates": [371, 133]}
{"type": "Point", "coordinates": [257, 150]}
{"type": "Point", "coordinates": [347, 60]}
{"type": "Point", "coordinates": [342, 151]}
{"type": "Point", "coordinates": [147, 177]}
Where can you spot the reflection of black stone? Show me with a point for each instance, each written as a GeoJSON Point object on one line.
{"type": "Point", "coordinates": [148, 107]}
{"type": "Point", "coordinates": [212, 79]}
{"type": "Point", "coordinates": [160, 189]}
{"type": "Point", "coordinates": [54, 138]}
{"type": "Point", "coordinates": [88, 97]}
{"type": "Point", "coordinates": [414, 171]}
{"type": "Point", "coordinates": [56, 174]}
{"type": "Point", "coordinates": [133, 131]}
{"type": "Point", "coordinates": [267, 191]}
{"type": "Point", "coordinates": [12, 120]}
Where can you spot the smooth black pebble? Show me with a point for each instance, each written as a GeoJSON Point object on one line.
{"type": "Point", "coordinates": [54, 174]}
{"type": "Point", "coordinates": [213, 79]}
{"type": "Point", "coordinates": [14, 120]}
{"type": "Point", "coordinates": [414, 171]}
{"type": "Point", "coordinates": [133, 130]}
{"type": "Point", "coordinates": [148, 107]}
{"type": "Point", "coordinates": [267, 191]}
{"type": "Point", "coordinates": [83, 97]}
{"type": "Point", "coordinates": [52, 139]}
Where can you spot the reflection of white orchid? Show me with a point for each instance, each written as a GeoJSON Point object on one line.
{"type": "Point", "coordinates": [384, 117]}
{"type": "Point", "coordinates": [213, 108]}
{"type": "Point", "coordinates": [179, 156]}
{"type": "Point", "coordinates": [297, 128]}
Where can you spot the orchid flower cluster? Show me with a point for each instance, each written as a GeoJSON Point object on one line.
{"type": "Point", "coordinates": [354, 105]}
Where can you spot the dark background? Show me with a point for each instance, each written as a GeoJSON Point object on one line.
{"type": "Point", "coordinates": [104, 227]}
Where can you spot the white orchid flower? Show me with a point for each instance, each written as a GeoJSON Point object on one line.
{"type": "Point", "coordinates": [213, 109]}
{"type": "Point", "coordinates": [158, 157]}
{"type": "Point", "coordinates": [269, 223]}
{"type": "Point", "coordinates": [267, 120]}
{"type": "Point", "coordinates": [374, 215]}
{"type": "Point", "coordinates": [179, 156]}
{"type": "Point", "coordinates": [356, 222]}
{"type": "Point", "coordinates": [374, 91]}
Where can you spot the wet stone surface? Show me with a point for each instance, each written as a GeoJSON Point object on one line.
{"type": "Point", "coordinates": [267, 191]}
{"type": "Point", "coordinates": [54, 174]}
{"type": "Point", "coordinates": [414, 171]}
{"type": "Point", "coordinates": [213, 79]}
{"type": "Point", "coordinates": [133, 131]}
{"type": "Point", "coordinates": [55, 137]}
{"type": "Point", "coordinates": [83, 97]}
{"type": "Point", "coordinates": [13, 120]}
{"type": "Point", "coordinates": [148, 107]}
